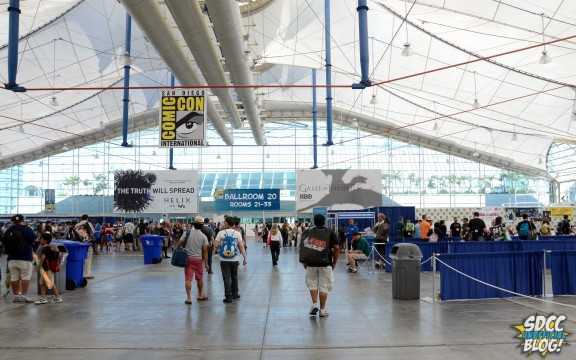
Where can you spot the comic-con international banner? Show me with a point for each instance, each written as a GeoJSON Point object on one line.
{"type": "Point", "coordinates": [183, 117]}
{"type": "Point", "coordinates": [338, 189]}
{"type": "Point", "coordinates": [159, 192]}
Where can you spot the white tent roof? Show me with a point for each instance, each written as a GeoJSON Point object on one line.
{"type": "Point", "coordinates": [532, 112]}
{"type": "Point", "coordinates": [525, 106]}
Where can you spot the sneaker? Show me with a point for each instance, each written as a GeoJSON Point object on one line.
{"type": "Point", "coordinates": [18, 299]}
{"type": "Point", "coordinates": [324, 313]}
{"type": "Point", "coordinates": [237, 297]}
{"type": "Point", "coordinates": [314, 310]}
{"type": "Point", "coordinates": [57, 300]}
{"type": "Point", "coordinates": [27, 300]}
{"type": "Point", "coordinates": [227, 301]}
{"type": "Point", "coordinates": [41, 301]}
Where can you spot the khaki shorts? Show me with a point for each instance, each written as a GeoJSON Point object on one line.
{"type": "Point", "coordinates": [319, 278]}
{"type": "Point", "coordinates": [20, 270]}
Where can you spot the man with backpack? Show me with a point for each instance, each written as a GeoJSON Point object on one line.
{"type": "Point", "coordinates": [525, 228]}
{"type": "Point", "coordinates": [19, 242]}
{"type": "Point", "coordinates": [229, 246]}
{"type": "Point", "coordinates": [477, 228]}
{"type": "Point", "coordinates": [319, 252]}
{"type": "Point", "coordinates": [209, 233]}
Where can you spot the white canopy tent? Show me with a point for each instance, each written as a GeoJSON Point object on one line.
{"type": "Point", "coordinates": [522, 106]}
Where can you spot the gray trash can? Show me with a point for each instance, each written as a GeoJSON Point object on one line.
{"type": "Point", "coordinates": [406, 259]}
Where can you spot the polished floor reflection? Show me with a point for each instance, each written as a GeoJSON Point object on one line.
{"type": "Point", "coordinates": [132, 311]}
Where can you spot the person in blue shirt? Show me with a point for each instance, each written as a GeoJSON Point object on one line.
{"type": "Point", "coordinates": [351, 229]}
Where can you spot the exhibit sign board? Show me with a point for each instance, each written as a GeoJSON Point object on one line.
{"type": "Point", "coordinates": [338, 189]}
{"type": "Point", "coordinates": [183, 117]}
{"type": "Point", "coordinates": [247, 199]}
{"type": "Point", "coordinates": [158, 192]}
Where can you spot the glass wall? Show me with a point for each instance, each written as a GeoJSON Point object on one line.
{"type": "Point", "coordinates": [411, 175]}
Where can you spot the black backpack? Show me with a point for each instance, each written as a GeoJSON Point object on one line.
{"type": "Point", "coordinates": [315, 247]}
{"type": "Point", "coordinates": [14, 240]}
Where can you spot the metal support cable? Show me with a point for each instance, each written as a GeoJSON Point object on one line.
{"type": "Point", "coordinates": [484, 58]}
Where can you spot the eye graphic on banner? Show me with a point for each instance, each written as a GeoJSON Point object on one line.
{"type": "Point", "coordinates": [182, 118]}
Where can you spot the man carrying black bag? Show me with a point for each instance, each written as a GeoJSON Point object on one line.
{"type": "Point", "coordinates": [319, 253]}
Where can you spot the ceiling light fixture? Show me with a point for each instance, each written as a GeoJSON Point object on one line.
{"type": "Point", "coordinates": [407, 49]}
{"type": "Point", "coordinates": [374, 99]}
{"type": "Point", "coordinates": [476, 103]}
{"type": "Point", "coordinates": [514, 137]}
{"type": "Point", "coordinates": [21, 129]}
{"type": "Point", "coordinates": [54, 100]}
{"type": "Point", "coordinates": [435, 128]}
{"type": "Point", "coordinates": [544, 58]}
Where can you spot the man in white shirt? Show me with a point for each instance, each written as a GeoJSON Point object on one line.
{"type": "Point", "coordinates": [229, 246]}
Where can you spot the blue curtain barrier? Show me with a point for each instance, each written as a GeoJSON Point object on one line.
{"type": "Point", "coordinates": [520, 272]}
{"type": "Point", "coordinates": [483, 246]}
{"type": "Point", "coordinates": [555, 237]}
{"type": "Point", "coordinates": [511, 246]}
{"type": "Point", "coordinates": [563, 272]}
{"type": "Point", "coordinates": [426, 248]}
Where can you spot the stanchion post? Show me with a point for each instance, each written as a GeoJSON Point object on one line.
{"type": "Point", "coordinates": [373, 256]}
{"type": "Point", "coordinates": [433, 277]}
{"type": "Point", "coordinates": [544, 276]}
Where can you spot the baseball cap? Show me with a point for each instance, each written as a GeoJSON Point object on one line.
{"type": "Point", "coordinates": [199, 220]}
{"type": "Point", "coordinates": [17, 218]}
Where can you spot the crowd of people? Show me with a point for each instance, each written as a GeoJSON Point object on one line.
{"type": "Point", "coordinates": [32, 251]}
{"type": "Point", "coordinates": [476, 229]}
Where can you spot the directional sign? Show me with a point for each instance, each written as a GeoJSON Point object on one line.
{"type": "Point", "coordinates": [247, 199]}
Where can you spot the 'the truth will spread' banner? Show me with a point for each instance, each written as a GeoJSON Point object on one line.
{"type": "Point", "coordinates": [338, 189]}
{"type": "Point", "coordinates": [160, 192]}
{"type": "Point", "coordinates": [183, 117]}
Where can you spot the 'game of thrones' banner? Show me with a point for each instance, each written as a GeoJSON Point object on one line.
{"type": "Point", "coordinates": [338, 189]}
{"type": "Point", "coordinates": [159, 192]}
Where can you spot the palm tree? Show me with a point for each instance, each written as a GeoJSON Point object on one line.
{"type": "Point", "coordinates": [72, 182]}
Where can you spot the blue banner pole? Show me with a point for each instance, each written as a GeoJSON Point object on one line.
{"type": "Point", "coordinates": [171, 151]}
{"type": "Point", "coordinates": [126, 98]}
{"type": "Point", "coordinates": [364, 50]}
{"type": "Point", "coordinates": [13, 38]}
{"type": "Point", "coordinates": [314, 121]}
{"type": "Point", "coordinates": [327, 38]}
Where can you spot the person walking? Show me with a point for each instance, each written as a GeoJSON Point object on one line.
{"type": "Point", "coordinates": [284, 234]}
{"type": "Point", "coordinates": [274, 241]}
{"type": "Point", "coordinates": [84, 231]}
{"type": "Point", "coordinates": [381, 230]}
{"type": "Point", "coordinates": [319, 252]}
{"type": "Point", "coordinates": [195, 244]}
{"type": "Point", "coordinates": [229, 246]}
{"type": "Point", "coordinates": [207, 230]}
{"type": "Point", "coordinates": [19, 242]}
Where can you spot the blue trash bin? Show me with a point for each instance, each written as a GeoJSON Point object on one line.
{"type": "Point", "coordinates": [77, 253]}
{"type": "Point", "coordinates": [152, 248]}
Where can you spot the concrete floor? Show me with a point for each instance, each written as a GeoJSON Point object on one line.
{"type": "Point", "coordinates": [132, 311]}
